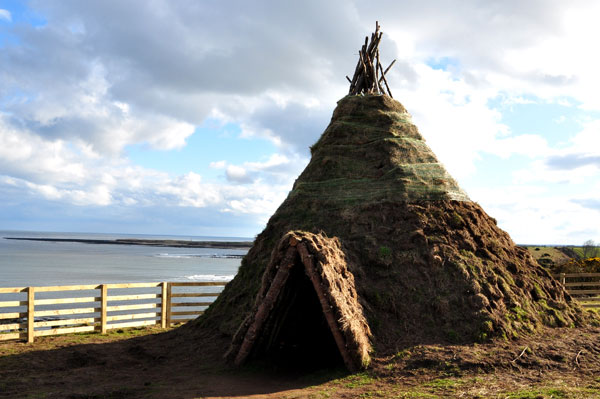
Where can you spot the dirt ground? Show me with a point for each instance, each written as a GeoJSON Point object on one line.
{"type": "Point", "coordinates": [560, 363]}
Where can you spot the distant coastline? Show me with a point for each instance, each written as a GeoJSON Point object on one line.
{"type": "Point", "coordinates": [147, 242]}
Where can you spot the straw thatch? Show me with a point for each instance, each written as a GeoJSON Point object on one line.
{"type": "Point", "coordinates": [314, 258]}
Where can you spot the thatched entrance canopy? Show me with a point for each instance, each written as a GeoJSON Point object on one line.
{"type": "Point", "coordinates": [307, 306]}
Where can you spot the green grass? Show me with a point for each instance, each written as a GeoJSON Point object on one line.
{"type": "Point", "coordinates": [416, 395]}
{"type": "Point", "coordinates": [385, 253]}
{"type": "Point", "coordinates": [444, 383]}
{"type": "Point", "coordinates": [357, 380]}
{"type": "Point", "coordinates": [591, 254]}
{"type": "Point", "coordinates": [535, 394]}
{"type": "Point", "coordinates": [374, 394]}
{"type": "Point", "coordinates": [578, 251]}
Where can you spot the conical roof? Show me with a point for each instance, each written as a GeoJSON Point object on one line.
{"type": "Point", "coordinates": [428, 264]}
{"type": "Point", "coordinates": [372, 151]}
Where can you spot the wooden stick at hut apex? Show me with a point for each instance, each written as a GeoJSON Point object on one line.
{"type": "Point", "coordinates": [369, 73]}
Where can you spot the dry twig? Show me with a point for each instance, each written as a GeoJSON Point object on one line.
{"type": "Point", "coordinates": [577, 359]}
{"type": "Point", "coordinates": [521, 355]}
{"type": "Point", "coordinates": [369, 73]}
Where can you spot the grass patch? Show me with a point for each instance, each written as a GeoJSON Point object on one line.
{"type": "Point", "coordinates": [374, 394]}
{"type": "Point", "coordinates": [385, 253]}
{"type": "Point", "coordinates": [9, 348]}
{"type": "Point", "coordinates": [416, 394]}
{"type": "Point", "coordinates": [444, 383]}
{"type": "Point", "coordinates": [536, 394]}
{"type": "Point", "coordinates": [357, 380]}
{"type": "Point", "coordinates": [403, 354]}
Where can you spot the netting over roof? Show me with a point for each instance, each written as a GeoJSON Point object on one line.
{"type": "Point", "coordinates": [372, 151]}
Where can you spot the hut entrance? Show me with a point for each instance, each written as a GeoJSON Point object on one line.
{"type": "Point", "coordinates": [306, 313]}
{"type": "Point", "coordinates": [296, 334]}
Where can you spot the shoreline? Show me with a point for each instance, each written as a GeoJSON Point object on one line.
{"type": "Point", "coordinates": [147, 242]}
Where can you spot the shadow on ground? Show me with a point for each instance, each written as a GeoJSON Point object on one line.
{"type": "Point", "coordinates": [186, 363]}
{"type": "Point", "coordinates": [165, 365]}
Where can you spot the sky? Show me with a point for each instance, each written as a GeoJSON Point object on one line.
{"type": "Point", "coordinates": [195, 117]}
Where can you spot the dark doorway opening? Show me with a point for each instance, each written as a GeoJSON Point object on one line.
{"type": "Point", "coordinates": [296, 335]}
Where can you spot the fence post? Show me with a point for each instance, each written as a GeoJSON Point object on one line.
{"type": "Point", "coordinates": [163, 305]}
{"type": "Point", "coordinates": [169, 292]}
{"type": "Point", "coordinates": [103, 305]}
{"type": "Point", "coordinates": [30, 314]}
{"type": "Point", "coordinates": [563, 279]}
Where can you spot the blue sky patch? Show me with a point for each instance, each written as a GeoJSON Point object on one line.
{"type": "Point", "coordinates": [491, 170]}
{"type": "Point", "coordinates": [557, 123]}
{"type": "Point", "coordinates": [443, 63]}
{"type": "Point", "coordinates": [19, 14]}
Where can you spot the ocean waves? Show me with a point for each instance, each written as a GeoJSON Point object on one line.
{"type": "Point", "coordinates": [191, 256]}
{"type": "Point", "coordinates": [210, 277]}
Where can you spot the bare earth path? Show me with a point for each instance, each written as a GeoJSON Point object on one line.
{"type": "Point", "coordinates": [562, 363]}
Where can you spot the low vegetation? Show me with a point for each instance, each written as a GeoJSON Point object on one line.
{"type": "Point", "coordinates": [568, 259]}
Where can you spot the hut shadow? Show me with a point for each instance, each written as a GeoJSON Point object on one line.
{"type": "Point", "coordinates": [181, 363]}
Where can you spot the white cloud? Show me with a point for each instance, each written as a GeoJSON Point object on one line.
{"type": "Point", "coordinates": [237, 174]}
{"type": "Point", "coordinates": [26, 155]}
{"type": "Point", "coordinates": [95, 195]}
{"type": "Point", "coordinates": [6, 15]}
{"type": "Point", "coordinates": [576, 162]}
{"type": "Point", "coordinates": [278, 169]}
{"type": "Point", "coordinates": [588, 139]}
{"type": "Point", "coordinates": [554, 199]}
{"type": "Point", "coordinates": [529, 145]}
{"type": "Point", "coordinates": [189, 190]}
{"type": "Point", "coordinates": [534, 215]}
{"type": "Point", "coordinates": [275, 162]}
{"type": "Point", "coordinates": [560, 119]}
{"type": "Point", "coordinates": [75, 93]}
{"type": "Point", "coordinates": [453, 117]}
{"type": "Point", "coordinates": [218, 164]}
{"type": "Point", "coordinates": [263, 206]}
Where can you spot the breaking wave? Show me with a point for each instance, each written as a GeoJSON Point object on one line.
{"type": "Point", "coordinates": [210, 277]}
{"type": "Point", "coordinates": [189, 256]}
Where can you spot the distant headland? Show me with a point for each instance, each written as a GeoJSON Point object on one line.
{"type": "Point", "coordinates": [152, 243]}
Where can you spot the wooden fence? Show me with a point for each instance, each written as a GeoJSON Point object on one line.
{"type": "Point", "coordinates": [584, 287]}
{"type": "Point", "coordinates": [31, 312]}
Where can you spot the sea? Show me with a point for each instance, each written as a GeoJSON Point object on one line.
{"type": "Point", "coordinates": [38, 263]}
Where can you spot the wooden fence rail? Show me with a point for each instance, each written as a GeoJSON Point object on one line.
{"type": "Point", "coordinates": [584, 287]}
{"type": "Point", "coordinates": [102, 307]}
{"type": "Point", "coordinates": [29, 312]}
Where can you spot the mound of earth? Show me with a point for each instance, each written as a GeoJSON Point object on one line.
{"type": "Point", "coordinates": [429, 265]}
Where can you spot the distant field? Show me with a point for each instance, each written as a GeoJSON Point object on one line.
{"type": "Point", "coordinates": [552, 256]}
{"type": "Point", "coordinates": [548, 256]}
{"type": "Point", "coordinates": [591, 254]}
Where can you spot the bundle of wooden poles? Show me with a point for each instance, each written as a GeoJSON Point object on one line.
{"type": "Point", "coordinates": [369, 74]}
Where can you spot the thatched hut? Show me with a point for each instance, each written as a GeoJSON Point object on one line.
{"type": "Point", "coordinates": [377, 247]}
{"type": "Point", "coordinates": [377, 232]}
